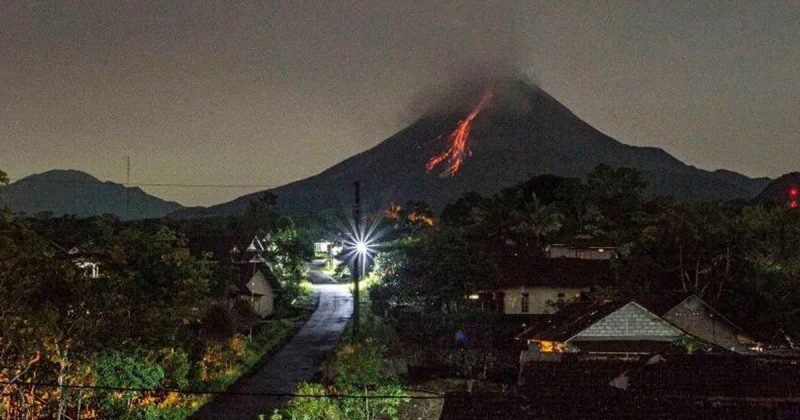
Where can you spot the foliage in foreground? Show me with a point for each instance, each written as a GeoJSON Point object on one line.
{"type": "Point", "coordinates": [361, 368]}
{"type": "Point", "coordinates": [157, 319]}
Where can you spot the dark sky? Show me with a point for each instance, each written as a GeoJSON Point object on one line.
{"type": "Point", "coordinates": [269, 92]}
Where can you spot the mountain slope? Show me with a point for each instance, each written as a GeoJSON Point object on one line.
{"type": "Point", "coordinates": [524, 132]}
{"type": "Point", "coordinates": [80, 194]}
{"type": "Point", "coordinates": [779, 190]}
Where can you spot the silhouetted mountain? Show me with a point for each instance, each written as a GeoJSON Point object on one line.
{"type": "Point", "coordinates": [80, 194]}
{"type": "Point", "coordinates": [778, 191]}
{"type": "Point", "coordinates": [522, 133]}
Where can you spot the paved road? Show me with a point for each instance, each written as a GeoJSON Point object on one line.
{"type": "Point", "coordinates": [320, 277]}
{"type": "Point", "coordinates": [296, 362]}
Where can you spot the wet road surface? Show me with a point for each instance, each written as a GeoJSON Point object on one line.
{"type": "Point", "coordinates": [296, 362]}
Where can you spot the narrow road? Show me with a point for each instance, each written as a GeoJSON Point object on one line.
{"type": "Point", "coordinates": [296, 362]}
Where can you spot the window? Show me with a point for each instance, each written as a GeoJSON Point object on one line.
{"type": "Point", "coordinates": [581, 254]}
{"type": "Point", "coordinates": [526, 302]}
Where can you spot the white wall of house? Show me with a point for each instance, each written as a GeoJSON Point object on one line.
{"type": "Point", "coordinates": [262, 297]}
{"type": "Point", "coordinates": [537, 297]}
{"type": "Point", "coordinates": [92, 269]}
{"type": "Point", "coordinates": [590, 253]}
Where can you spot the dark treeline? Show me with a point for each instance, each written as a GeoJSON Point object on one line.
{"type": "Point", "coordinates": [743, 259]}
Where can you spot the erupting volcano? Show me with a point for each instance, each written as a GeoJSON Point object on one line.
{"type": "Point", "coordinates": [458, 149]}
{"type": "Point", "coordinates": [530, 134]}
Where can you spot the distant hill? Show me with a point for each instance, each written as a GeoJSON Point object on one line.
{"type": "Point", "coordinates": [778, 190]}
{"type": "Point", "coordinates": [80, 194]}
{"type": "Point", "coordinates": [523, 132]}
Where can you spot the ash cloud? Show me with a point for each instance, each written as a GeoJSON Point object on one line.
{"type": "Point", "coordinates": [474, 47]}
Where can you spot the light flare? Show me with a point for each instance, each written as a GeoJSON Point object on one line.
{"type": "Point", "coordinates": [458, 149]}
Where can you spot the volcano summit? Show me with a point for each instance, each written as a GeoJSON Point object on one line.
{"type": "Point", "coordinates": [521, 133]}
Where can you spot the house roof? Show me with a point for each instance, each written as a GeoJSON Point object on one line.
{"type": "Point", "coordinates": [570, 320]}
{"type": "Point", "coordinates": [523, 270]}
{"type": "Point", "coordinates": [246, 273]}
{"type": "Point", "coordinates": [582, 313]}
{"type": "Point", "coordinates": [663, 386]}
{"type": "Point", "coordinates": [678, 375]}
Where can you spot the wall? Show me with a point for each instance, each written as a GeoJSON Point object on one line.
{"type": "Point", "coordinates": [264, 296]}
{"type": "Point", "coordinates": [554, 251]}
{"type": "Point", "coordinates": [538, 297]}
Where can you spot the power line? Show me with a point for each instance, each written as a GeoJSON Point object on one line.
{"type": "Point", "coordinates": [230, 393]}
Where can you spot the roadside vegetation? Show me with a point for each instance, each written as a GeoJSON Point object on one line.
{"type": "Point", "coordinates": [356, 367]}
{"type": "Point", "coordinates": [158, 318]}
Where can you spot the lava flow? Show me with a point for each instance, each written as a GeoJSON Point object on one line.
{"type": "Point", "coordinates": [458, 149]}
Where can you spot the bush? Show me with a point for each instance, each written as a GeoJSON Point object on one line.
{"type": "Point", "coordinates": [356, 369]}
{"type": "Point", "coordinates": [217, 322]}
{"type": "Point", "coordinates": [120, 370]}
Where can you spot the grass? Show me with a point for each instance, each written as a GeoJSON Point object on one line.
{"type": "Point", "coordinates": [267, 339]}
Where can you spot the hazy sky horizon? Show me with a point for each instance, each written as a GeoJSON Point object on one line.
{"type": "Point", "coordinates": [266, 93]}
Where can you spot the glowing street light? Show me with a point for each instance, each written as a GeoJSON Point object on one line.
{"type": "Point", "coordinates": [361, 248]}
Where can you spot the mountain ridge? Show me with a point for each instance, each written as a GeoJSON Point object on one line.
{"type": "Point", "coordinates": [73, 192]}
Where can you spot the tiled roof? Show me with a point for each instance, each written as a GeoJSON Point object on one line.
{"type": "Point", "coordinates": [671, 386]}
{"type": "Point", "coordinates": [582, 313]}
{"type": "Point", "coordinates": [571, 320]}
{"type": "Point", "coordinates": [676, 375]}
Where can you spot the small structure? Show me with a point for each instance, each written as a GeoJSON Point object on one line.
{"type": "Point", "coordinates": [257, 285]}
{"type": "Point", "coordinates": [580, 253]}
{"type": "Point", "coordinates": [530, 285]}
{"type": "Point", "coordinates": [84, 256]}
{"type": "Point", "coordinates": [322, 246]}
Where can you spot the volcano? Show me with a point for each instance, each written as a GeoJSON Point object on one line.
{"type": "Point", "coordinates": [524, 132]}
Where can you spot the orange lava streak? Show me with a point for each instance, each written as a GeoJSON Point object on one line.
{"type": "Point", "coordinates": [458, 149]}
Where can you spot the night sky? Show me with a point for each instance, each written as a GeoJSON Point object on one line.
{"type": "Point", "coordinates": [265, 93]}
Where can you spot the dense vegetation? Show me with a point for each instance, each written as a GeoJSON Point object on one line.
{"type": "Point", "coordinates": [157, 319]}
{"type": "Point", "coordinates": [744, 259]}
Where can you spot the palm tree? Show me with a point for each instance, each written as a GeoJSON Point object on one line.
{"type": "Point", "coordinates": [537, 219]}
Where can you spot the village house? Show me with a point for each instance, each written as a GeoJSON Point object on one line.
{"type": "Point", "coordinates": [256, 285]}
{"type": "Point", "coordinates": [83, 256]}
{"type": "Point", "coordinates": [255, 282]}
{"type": "Point", "coordinates": [641, 326]}
{"type": "Point", "coordinates": [524, 285]}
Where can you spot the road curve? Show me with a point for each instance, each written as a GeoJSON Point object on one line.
{"type": "Point", "coordinates": [296, 362]}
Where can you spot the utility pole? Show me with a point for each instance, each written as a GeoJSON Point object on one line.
{"type": "Point", "coordinates": [127, 186]}
{"type": "Point", "coordinates": [357, 263]}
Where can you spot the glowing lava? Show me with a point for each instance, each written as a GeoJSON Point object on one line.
{"type": "Point", "coordinates": [458, 149]}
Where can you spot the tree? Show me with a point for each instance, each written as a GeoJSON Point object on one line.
{"type": "Point", "coordinates": [618, 194]}
{"type": "Point", "coordinates": [3, 183]}
{"type": "Point", "coordinates": [438, 270]}
{"type": "Point", "coordinates": [536, 219]}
